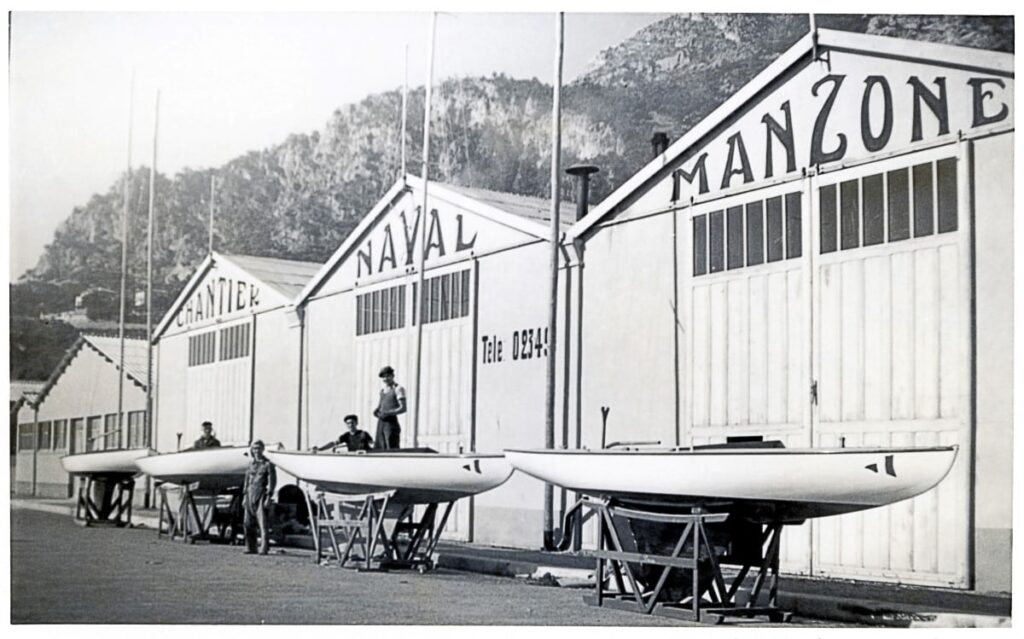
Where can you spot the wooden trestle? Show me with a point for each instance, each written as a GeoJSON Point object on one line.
{"type": "Point", "coordinates": [709, 596]}
{"type": "Point", "coordinates": [360, 537]}
{"type": "Point", "coordinates": [115, 500]}
{"type": "Point", "coordinates": [210, 516]}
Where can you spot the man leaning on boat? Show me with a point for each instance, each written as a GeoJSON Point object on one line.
{"type": "Point", "coordinates": [207, 439]}
{"type": "Point", "coordinates": [353, 439]}
{"type": "Point", "coordinates": [391, 405]}
{"type": "Point", "coordinates": [260, 480]}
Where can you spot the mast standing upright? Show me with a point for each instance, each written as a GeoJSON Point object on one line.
{"type": "Point", "coordinates": [124, 266]}
{"type": "Point", "coordinates": [423, 234]}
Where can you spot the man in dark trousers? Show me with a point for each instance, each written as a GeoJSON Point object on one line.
{"type": "Point", "coordinates": [206, 440]}
{"type": "Point", "coordinates": [353, 439]}
{"type": "Point", "coordinates": [391, 405]}
{"type": "Point", "coordinates": [260, 480]}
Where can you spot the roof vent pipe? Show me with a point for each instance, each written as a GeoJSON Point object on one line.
{"type": "Point", "coordinates": [659, 143]}
{"type": "Point", "coordinates": [582, 173]}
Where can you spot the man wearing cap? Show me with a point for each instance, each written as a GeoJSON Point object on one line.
{"type": "Point", "coordinates": [391, 405]}
{"type": "Point", "coordinates": [206, 440]}
{"type": "Point", "coordinates": [353, 439]}
{"type": "Point", "coordinates": [260, 480]}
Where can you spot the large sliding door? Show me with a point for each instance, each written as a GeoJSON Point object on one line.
{"type": "Point", "coordinates": [891, 288]}
{"type": "Point", "coordinates": [747, 295]}
{"type": "Point", "coordinates": [833, 311]}
{"type": "Point", "coordinates": [386, 335]}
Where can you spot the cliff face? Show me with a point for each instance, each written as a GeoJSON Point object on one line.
{"type": "Point", "coordinates": [300, 198]}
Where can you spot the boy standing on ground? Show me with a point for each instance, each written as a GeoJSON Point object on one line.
{"type": "Point", "coordinates": [260, 480]}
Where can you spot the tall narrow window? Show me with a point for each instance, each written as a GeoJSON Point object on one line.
{"type": "Point", "coordinates": [93, 434]}
{"type": "Point", "coordinates": [874, 210]}
{"type": "Point", "coordinates": [26, 436]}
{"type": "Point", "coordinates": [945, 171]}
{"type": "Point", "coordinates": [827, 212]}
{"type": "Point", "coordinates": [60, 434]}
{"type": "Point", "coordinates": [774, 215]}
{"type": "Point", "coordinates": [111, 436]}
{"type": "Point", "coordinates": [44, 435]}
{"type": "Point", "coordinates": [465, 293]}
{"type": "Point", "coordinates": [700, 245]}
{"type": "Point", "coordinates": [755, 233]}
{"type": "Point", "coordinates": [898, 195]}
{"type": "Point", "coordinates": [77, 444]}
{"type": "Point", "coordinates": [849, 214]}
{"type": "Point", "coordinates": [794, 232]}
{"type": "Point", "coordinates": [923, 201]}
{"type": "Point", "coordinates": [734, 231]}
{"type": "Point", "coordinates": [716, 245]}
{"type": "Point", "coordinates": [446, 308]}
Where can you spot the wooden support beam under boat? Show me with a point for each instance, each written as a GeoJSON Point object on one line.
{"type": "Point", "coordinates": [670, 564]}
{"type": "Point", "coordinates": [104, 500]}
{"type": "Point", "coordinates": [360, 536]}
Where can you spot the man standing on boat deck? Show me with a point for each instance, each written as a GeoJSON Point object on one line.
{"type": "Point", "coordinates": [260, 480]}
{"type": "Point", "coordinates": [206, 440]}
{"type": "Point", "coordinates": [391, 405]}
{"type": "Point", "coordinates": [353, 439]}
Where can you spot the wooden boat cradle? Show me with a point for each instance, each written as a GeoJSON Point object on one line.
{"type": "Point", "coordinates": [721, 597]}
{"type": "Point", "coordinates": [361, 521]}
{"type": "Point", "coordinates": [115, 507]}
{"type": "Point", "coordinates": [201, 515]}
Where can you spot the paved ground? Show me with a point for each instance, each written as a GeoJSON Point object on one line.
{"type": "Point", "coordinates": [61, 573]}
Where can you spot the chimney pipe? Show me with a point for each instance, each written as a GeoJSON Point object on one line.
{"type": "Point", "coordinates": [582, 172]}
{"type": "Point", "coordinates": [659, 143]}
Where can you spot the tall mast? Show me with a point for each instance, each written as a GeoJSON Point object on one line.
{"type": "Point", "coordinates": [213, 192]}
{"type": "Point", "coordinates": [423, 232]}
{"type": "Point", "coordinates": [556, 156]}
{"type": "Point", "coordinates": [124, 264]}
{"type": "Point", "coordinates": [405, 103]}
{"type": "Point", "coordinates": [149, 279]}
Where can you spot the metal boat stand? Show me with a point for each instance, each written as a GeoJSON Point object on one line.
{"type": "Point", "coordinates": [115, 501]}
{"type": "Point", "coordinates": [215, 517]}
{"type": "Point", "coordinates": [359, 523]}
{"type": "Point", "coordinates": [710, 597]}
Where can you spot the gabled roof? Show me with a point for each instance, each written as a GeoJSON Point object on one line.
{"type": "Point", "coordinates": [525, 206]}
{"type": "Point", "coordinates": [286, 277]}
{"type": "Point", "coordinates": [521, 212]}
{"type": "Point", "coordinates": [135, 353]}
{"type": "Point", "coordinates": [798, 54]}
{"type": "Point", "coordinates": [109, 349]}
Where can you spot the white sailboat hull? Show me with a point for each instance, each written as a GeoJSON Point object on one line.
{"type": "Point", "coordinates": [119, 462]}
{"type": "Point", "coordinates": [416, 478]}
{"type": "Point", "coordinates": [769, 483]}
{"type": "Point", "coordinates": [210, 468]}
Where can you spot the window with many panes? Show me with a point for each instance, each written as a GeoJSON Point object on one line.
{"type": "Point", "coordinates": [234, 341]}
{"type": "Point", "coordinates": [201, 348]}
{"type": "Point", "coordinates": [749, 234]}
{"type": "Point", "coordinates": [26, 436]}
{"type": "Point", "coordinates": [896, 205]}
{"type": "Point", "coordinates": [60, 434]}
{"type": "Point", "coordinates": [381, 310]}
{"type": "Point", "coordinates": [137, 432]}
{"type": "Point", "coordinates": [447, 297]}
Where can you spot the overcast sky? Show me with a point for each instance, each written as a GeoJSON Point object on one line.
{"type": "Point", "coordinates": [230, 83]}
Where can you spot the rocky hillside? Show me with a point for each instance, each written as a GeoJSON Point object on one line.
{"type": "Point", "coordinates": [300, 198]}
